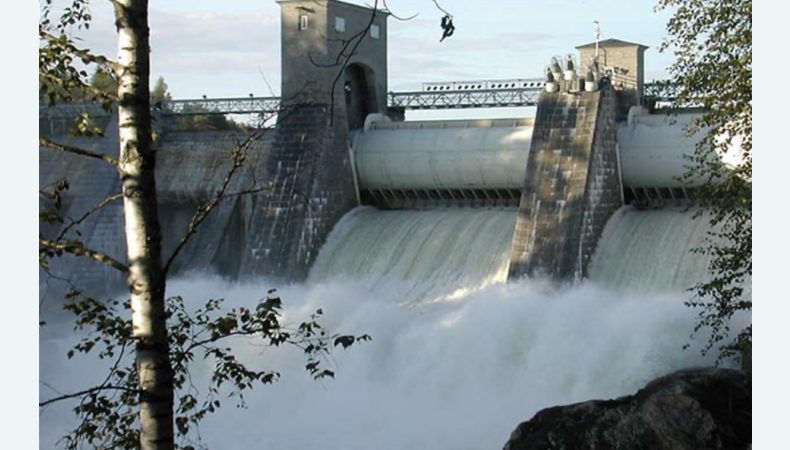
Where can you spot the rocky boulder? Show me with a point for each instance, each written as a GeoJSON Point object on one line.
{"type": "Point", "coordinates": [692, 409]}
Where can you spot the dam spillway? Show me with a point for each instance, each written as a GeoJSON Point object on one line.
{"type": "Point", "coordinates": [453, 343]}
{"type": "Point", "coordinates": [340, 144]}
{"type": "Point", "coordinates": [652, 250]}
{"type": "Point", "coordinates": [395, 165]}
{"type": "Point", "coordinates": [439, 251]}
{"type": "Point", "coordinates": [434, 253]}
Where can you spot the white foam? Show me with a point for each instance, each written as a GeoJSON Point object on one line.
{"type": "Point", "coordinates": [449, 375]}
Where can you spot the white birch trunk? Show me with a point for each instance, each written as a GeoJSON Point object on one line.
{"type": "Point", "coordinates": [143, 237]}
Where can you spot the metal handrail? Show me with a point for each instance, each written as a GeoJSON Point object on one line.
{"type": "Point", "coordinates": [434, 99]}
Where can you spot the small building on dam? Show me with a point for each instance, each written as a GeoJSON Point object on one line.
{"type": "Point", "coordinates": [595, 144]}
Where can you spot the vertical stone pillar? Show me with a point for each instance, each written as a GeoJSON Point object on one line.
{"type": "Point", "coordinates": [310, 187]}
{"type": "Point", "coordinates": [571, 188]}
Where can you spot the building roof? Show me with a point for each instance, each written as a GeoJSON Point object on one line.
{"type": "Point", "coordinates": [612, 43]}
{"type": "Point", "coordinates": [343, 4]}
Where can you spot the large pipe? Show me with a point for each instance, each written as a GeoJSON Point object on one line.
{"type": "Point", "coordinates": [655, 149]}
{"type": "Point", "coordinates": [492, 154]}
{"type": "Point", "coordinates": [431, 155]}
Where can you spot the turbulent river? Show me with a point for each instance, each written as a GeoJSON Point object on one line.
{"type": "Point", "coordinates": [458, 357]}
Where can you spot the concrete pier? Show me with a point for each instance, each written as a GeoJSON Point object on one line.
{"type": "Point", "coordinates": [572, 185]}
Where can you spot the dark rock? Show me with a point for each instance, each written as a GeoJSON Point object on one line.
{"type": "Point", "coordinates": [692, 409]}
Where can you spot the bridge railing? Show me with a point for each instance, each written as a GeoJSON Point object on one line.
{"type": "Point", "coordinates": [249, 105]}
{"type": "Point", "coordinates": [453, 96]}
{"type": "Point", "coordinates": [484, 98]}
{"type": "Point", "coordinates": [661, 90]}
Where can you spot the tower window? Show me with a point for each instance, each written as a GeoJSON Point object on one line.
{"type": "Point", "coordinates": [303, 22]}
{"type": "Point", "coordinates": [340, 24]}
{"type": "Point", "coordinates": [374, 31]}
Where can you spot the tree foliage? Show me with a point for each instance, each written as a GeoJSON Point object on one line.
{"type": "Point", "coordinates": [191, 121]}
{"type": "Point", "coordinates": [159, 93]}
{"type": "Point", "coordinates": [63, 65]}
{"type": "Point", "coordinates": [108, 412]}
{"type": "Point", "coordinates": [204, 122]}
{"type": "Point", "coordinates": [712, 43]}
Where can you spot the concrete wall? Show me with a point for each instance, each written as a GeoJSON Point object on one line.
{"type": "Point", "coordinates": [90, 181]}
{"type": "Point", "coordinates": [572, 185]}
{"type": "Point", "coordinates": [191, 167]}
{"type": "Point", "coordinates": [312, 186]}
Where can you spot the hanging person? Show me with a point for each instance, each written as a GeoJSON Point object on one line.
{"type": "Point", "coordinates": [447, 26]}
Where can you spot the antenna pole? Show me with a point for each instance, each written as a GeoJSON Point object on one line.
{"type": "Point", "coordinates": [597, 28]}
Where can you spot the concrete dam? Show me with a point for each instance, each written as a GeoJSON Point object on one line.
{"type": "Point", "coordinates": [501, 265]}
{"type": "Point", "coordinates": [591, 149]}
{"type": "Point", "coordinates": [443, 178]}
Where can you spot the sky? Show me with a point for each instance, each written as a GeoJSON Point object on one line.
{"type": "Point", "coordinates": [232, 48]}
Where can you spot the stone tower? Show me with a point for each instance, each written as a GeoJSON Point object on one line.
{"type": "Point", "coordinates": [317, 36]}
{"type": "Point", "coordinates": [325, 97]}
{"type": "Point", "coordinates": [625, 61]}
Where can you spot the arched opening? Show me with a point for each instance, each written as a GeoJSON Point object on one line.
{"type": "Point", "coordinates": [360, 94]}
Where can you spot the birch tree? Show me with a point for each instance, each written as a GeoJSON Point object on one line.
{"type": "Point", "coordinates": [145, 277]}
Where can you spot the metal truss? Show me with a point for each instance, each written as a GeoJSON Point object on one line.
{"type": "Point", "coordinates": [662, 90]}
{"type": "Point", "coordinates": [484, 98]}
{"type": "Point", "coordinates": [244, 105]}
{"type": "Point", "coordinates": [449, 95]}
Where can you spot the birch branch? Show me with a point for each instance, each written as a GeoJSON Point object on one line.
{"type": "Point", "coordinates": [79, 249]}
{"type": "Point", "coordinates": [99, 206]}
{"type": "Point", "coordinates": [85, 392]}
{"type": "Point", "coordinates": [239, 155]}
{"type": "Point", "coordinates": [46, 142]}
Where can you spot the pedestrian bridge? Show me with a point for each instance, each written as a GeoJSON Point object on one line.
{"type": "Point", "coordinates": [434, 95]}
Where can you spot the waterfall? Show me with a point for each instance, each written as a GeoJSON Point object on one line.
{"type": "Point", "coordinates": [428, 255]}
{"type": "Point", "coordinates": [651, 250]}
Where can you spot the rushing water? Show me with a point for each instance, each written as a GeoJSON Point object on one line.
{"type": "Point", "coordinates": [458, 358]}
{"type": "Point", "coordinates": [648, 251]}
{"type": "Point", "coordinates": [426, 255]}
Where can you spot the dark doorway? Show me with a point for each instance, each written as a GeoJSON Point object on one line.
{"type": "Point", "coordinates": [359, 93]}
